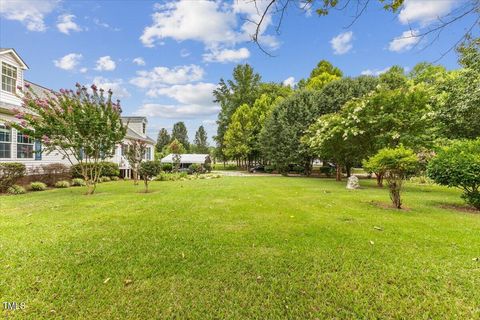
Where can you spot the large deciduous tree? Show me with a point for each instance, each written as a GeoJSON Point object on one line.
{"type": "Point", "coordinates": [163, 140]}
{"type": "Point", "coordinates": [84, 127]}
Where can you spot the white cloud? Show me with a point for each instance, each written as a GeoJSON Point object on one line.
{"type": "Point", "coordinates": [405, 42]}
{"type": "Point", "coordinates": [83, 70]}
{"type": "Point", "coordinates": [209, 122]}
{"type": "Point", "coordinates": [226, 55]}
{"type": "Point", "coordinates": [184, 53]}
{"type": "Point", "coordinates": [68, 62]}
{"type": "Point", "coordinates": [290, 81]}
{"type": "Point", "coordinates": [198, 93]}
{"type": "Point", "coordinates": [214, 23]}
{"type": "Point", "coordinates": [65, 24]}
{"type": "Point", "coordinates": [116, 85]}
{"type": "Point", "coordinates": [342, 43]}
{"type": "Point", "coordinates": [30, 13]}
{"type": "Point", "coordinates": [374, 72]}
{"type": "Point", "coordinates": [161, 76]}
{"type": "Point", "coordinates": [105, 64]}
{"type": "Point", "coordinates": [139, 61]}
{"type": "Point", "coordinates": [425, 11]}
{"type": "Point", "coordinates": [176, 111]}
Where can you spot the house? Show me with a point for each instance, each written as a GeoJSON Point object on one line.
{"type": "Point", "coordinates": [187, 159]}
{"type": "Point", "coordinates": [18, 147]}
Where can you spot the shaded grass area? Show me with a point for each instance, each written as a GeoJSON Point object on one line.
{"type": "Point", "coordinates": [239, 247]}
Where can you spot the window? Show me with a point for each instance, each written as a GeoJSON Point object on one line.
{"type": "Point", "coordinates": [5, 141]}
{"type": "Point", "coordinates": [9, 77]}
{"type": "Point", "coordinates": [124, 149]}
{"type": "Point", "coordinates": [144, 127]}
{"type": "Point", "coordinates": [148, 154]}
{"type": "Point", "coordinates": [24, 146]}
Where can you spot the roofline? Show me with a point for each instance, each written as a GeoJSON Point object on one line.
{"type": "Point", "coordinates": [17, 56]}
{"type": "Point", "coordinates": [38, 85]}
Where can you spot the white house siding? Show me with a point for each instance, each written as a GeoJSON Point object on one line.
{"type": "Point", "coordinates": [7, 97]}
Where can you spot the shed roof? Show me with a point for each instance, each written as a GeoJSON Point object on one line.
{"type": "Point", "coordinates": [187, 158]}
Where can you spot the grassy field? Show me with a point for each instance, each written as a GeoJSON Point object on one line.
{"type": "Point", "coordinates": [239, 248]}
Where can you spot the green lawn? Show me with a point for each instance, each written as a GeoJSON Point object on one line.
{"type": "Point", "coordinates": [239, 248]}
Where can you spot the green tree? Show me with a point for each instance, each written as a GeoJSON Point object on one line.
{"type": "Point", "coordinates": [231, 94]}
{"type": "Point", "coordinates": [394, 78]}
{"type": "Point", "coordinates": [397, 164]}
{"type": "Point", "coordinates": [458, 165]}
{"type": "Point", "coordinates": [85, 128]}
{"type": "Point", "coordinates": [180, 133]}
{"type": "Point", "coordinates": [148, 170]}
{"type": "Point", "coordinates": [135, 154]}
{"type": "Point", "coordinates": [163, 140]}
{"type": "Point", "coordinates": [238, 138]}
{"type": "Point", "coordinates": [200, 142]}
{"type": "Point", "coordinates": [176, 149]}
{"type": "Point", "coordinates": [322, 74]}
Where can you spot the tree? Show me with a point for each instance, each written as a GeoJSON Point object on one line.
{"type": "Point", "coordinates": [200, 142]}
{"type": "Point", "coordinates": [180, 133]}
{"type": "Point", "coordinates": [163, 140]}
{"type": "Point", "coordinates": [231, 94]}
{"type": "Point", "coordinates": [85, 128]}
{"type": "Point", "coordinates": [322, 74]}
{"type": "Point", "coordinates": [176, 149]}
{"type": "Point", "coordinates": [458, 165]}
{"type": "Point", "coordinates": [149, 170]}
{"type": "Point", "coordinates": [458, 96]}
{"type": "Point", "coordinates": [238, 138]}
{"type": "Point", "coordinates": [397, 164]}
{"type": "Point", "coordinates": [135, 153]}
{"type": "Point", "coordinates": [394, 78]}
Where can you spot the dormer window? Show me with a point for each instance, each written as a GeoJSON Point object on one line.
{"type": "Point", "coordinates": [144, 127]}
{"type": "Point", "coordinates": [9, 77]}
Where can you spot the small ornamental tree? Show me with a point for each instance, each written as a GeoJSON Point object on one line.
{"type": "Point", "coordinates": [84, 127]}
{"type": "Point", "coordinates": [459, 166]}
{"type": "Point", "coordinates": [135, 152]}
{"type": "Point", "coordinates": [176, 149]}
{"type": "Point", "coordinates": [149, 170]}
{"type": "Point", "coordinates": [396, 164]}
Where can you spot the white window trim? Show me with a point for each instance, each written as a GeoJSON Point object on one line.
{"type": "Point", "coordinates": [10, 142]}
{"type": "Point", "coordinates": [15, 79]}
{"type": "Point", "coordinates": [29, 144]}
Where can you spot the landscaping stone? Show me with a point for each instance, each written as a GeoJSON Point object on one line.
{"type": "Point", "coordinates": [353, 183]}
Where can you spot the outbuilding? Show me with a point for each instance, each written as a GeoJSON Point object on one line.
{"type": "Point", "coordinates": [188, 159]}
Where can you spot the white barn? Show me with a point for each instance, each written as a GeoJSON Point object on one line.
{"type": "Point", "coordinates": [188, 158]}
{"type": "Point", "coordinates": [18, 147]}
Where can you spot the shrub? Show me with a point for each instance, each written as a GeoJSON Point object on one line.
{"type": "Point", "coordinates": [148, 170]}
{"type": "Point", "coordinates": [298, 169]}
{"type": "Point", "coordinates": [38, 186]}
{"type": "Point", "coordinates": [167, 167]}
{"type": "Point", "coordinates": [62, 184]}
{"type": "Point", "coordinates": [10, 173]}
{"type": "Point", "coordinates": [105, 179]}
{"type": "Point", "coordinates": [196, 168]}
{"type": "Point", "coordinates": [16, 189]}
{"type": "Point", "coordinates": [459, 166]}
{"type": "Point", "coordinates": [397, 164]}
{"type": "Point", "coordinates": [78, 182]}
{"type": "Point", "coordinates": [114, 178]}
{"type": "Point", "coordinates": [108, 169]}
{"type": "Point", "coordinates": [328, 171]}
{"type": "Point", "coordinates": [208, 167]}
{"type": "Point", "coordinates": [269, 169]}
{"type": "Point", "coordinates": [54, 172]}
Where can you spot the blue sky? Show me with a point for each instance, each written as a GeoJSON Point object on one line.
{"type": "Point", "coordinates": [163, 58]}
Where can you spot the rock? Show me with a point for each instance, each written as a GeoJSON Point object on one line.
{"type": "Point", "coordinates": [352, 183]}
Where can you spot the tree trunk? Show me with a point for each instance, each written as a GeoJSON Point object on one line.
{"type": "Point", "coordinates": [379, 177]}
{"type": "Point", "coordinates": [349, 170]}
{"type": "Point", "coordinates": [339, 172]}
{"type": "Point", "coordinates": [395, 187]}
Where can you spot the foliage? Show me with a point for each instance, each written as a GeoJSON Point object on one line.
{"type": "Point", "coordinates": [78, 182]}
{"type": "Point", "coordinates": [394, 78]}
{"type": "Point", "coordinates": [149, 170]}
{"type": "Point", "coordinates": [397, 164]}
{"type": "Point", "coordinates": [16, 189]}
{"type": "Point", "coordinates": [163, 140]}
{"type": "Point", "coordinates": [108, 169]}
{"type": "Point", "coordinates": [135, 154]}
{"type": "Point", "coordinates": [167, 167]}
{"type": "Point", "coordinates": [327, 170]}
{"type": "Point", "coordinates": [38, 186]}
{"type": "Point", "coordinates": [180, 134]}
{"type": "Point", "coordinates": [200, 142]}
{"type": "Point", "coordinates": [196, 168]}
{"type": "Point", "coordinates": [322, 74]}
{"type": "Point", "coordinates": [176, 149]}
{"type": "Point", "coordinates": [54, 172]}
{"type": "Point", "coordinates": [105, 179]}
{"type": "Point", "coordinates": [85, 128]}
{"type": "Point", "coordinates": [231, 94]}
{"type": "Point", "coordinates": [62, 184]}
{"type": "Point", "coordinates": [10, 173]}
{"type": "Point", "coordinates": [458, 165]}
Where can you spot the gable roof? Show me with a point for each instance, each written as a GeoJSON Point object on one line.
{"type": "Point", "coordinates": [187, 158]}
{"type": "Point", "coordinates": [133, 135]}
{"type": "Point", "coordinates": [15, 55]}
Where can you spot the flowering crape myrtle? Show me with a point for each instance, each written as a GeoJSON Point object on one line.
{"type": "Point", "coordinates": [83, 126]}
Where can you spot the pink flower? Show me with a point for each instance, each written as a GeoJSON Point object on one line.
{"type": "Point", "coordinates": [45, 139]}
{"type": "Point", "coordinates": [19, 88]}
{"type": "Point", "coordinates": [27, 85]}
{"type": "Point", "coordinates": [94, 87]}
{"type": "Point", "coordinates": [63, 91]}
{"type": "Point", "coordinates": [23, 123]}
{"type": "Point", "coordinates": [20, 115]}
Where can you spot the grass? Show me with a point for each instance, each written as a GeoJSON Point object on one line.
{"type": "Point", "coordinates": [239, 248]}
